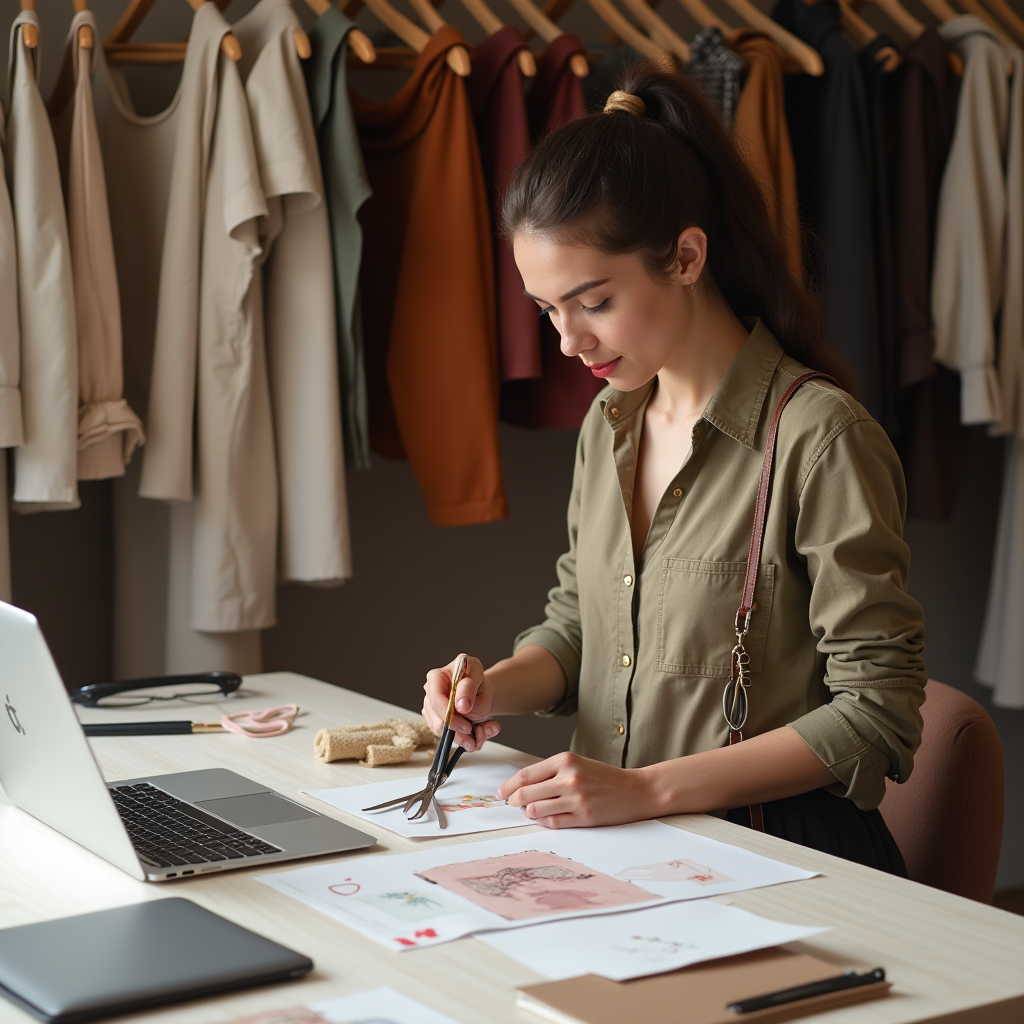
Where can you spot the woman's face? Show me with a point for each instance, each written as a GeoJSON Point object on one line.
{"type": "Point", "coordinates": [624, 325]}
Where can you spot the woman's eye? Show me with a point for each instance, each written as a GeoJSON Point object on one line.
{"type": "Point", "coordinates": [546, 309]}
{"type": "Point", "coordinates": [599, 308]}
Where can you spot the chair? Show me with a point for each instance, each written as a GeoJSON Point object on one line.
{"type": "Point", "coordinates": [948, 817]}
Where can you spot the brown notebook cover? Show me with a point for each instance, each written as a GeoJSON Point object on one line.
{"type": "Point", "coordinates": [698, 994]}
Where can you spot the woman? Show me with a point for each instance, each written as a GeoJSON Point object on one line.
{"type": "Point", "coordinates": [642, 235]}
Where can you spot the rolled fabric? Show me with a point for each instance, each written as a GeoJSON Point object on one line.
{"type": "Point", "coordinates": [389, 742]}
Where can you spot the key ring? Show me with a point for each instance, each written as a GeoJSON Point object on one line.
{"type": "Point", "coordinates": [263, 722]}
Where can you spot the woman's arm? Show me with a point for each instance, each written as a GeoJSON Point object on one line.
{"type": "Point", "coordinates": [568, 791]}
{"type": "Point", "coordinates": [531, 680]}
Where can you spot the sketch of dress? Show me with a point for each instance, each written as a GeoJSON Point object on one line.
{"type": "Point", "coordinates": [681, 870]}
{"type": "Point", "coordinates": [534, 884]}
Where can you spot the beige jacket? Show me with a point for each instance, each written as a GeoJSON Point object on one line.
{"type": "Point", "coordinates": [45, 465]}
{"type": "Point", "coordinates": [11, 430]}
{"type": "Point", "coordinates": [979, 239]}
{"type": "Point", "coordinates": [108, 429]}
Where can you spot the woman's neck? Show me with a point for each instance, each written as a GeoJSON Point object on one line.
{"type": "Point", "coordinates": [713, 338]}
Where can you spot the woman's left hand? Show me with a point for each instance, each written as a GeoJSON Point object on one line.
{"type": "Point", "coordinates": [569, 791]}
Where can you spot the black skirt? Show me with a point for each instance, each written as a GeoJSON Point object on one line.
{"type": "Point", "coordinates": [833, 825]}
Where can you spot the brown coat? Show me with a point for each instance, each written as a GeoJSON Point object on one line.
{"type": "Point", "coordinates": [428, 292]}
{"type": "Point", "coordinates": [762, 136]}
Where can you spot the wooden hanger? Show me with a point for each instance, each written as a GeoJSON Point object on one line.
{"type": "Point", "coordinates": [427, 13]}
{"type": "Point", "coordinates": [806, 56]}
{"type": "Point", "coordinates": [1013, 22]}
{"type": "Point", "coordinates": [119, 50]}
{"type": "Point", "coordinates": [29, 32]}
{"type": "Point", "coordinates": [490, 23]}
{"type": "Point", "coordinates": [619, 25]}
{"type": "Point", "coordinates": [975, 8]}
{"type": "Point", "coordinates": [410, 33]}
{"type": "Point", "coordinates": [887, 56]}
{"type": "Point", "coordinates": [896, 13]}
{"type": "Point", "coordinates": [540, 23]}
{"type": "Point", "coordinates": [359, 41]}
{"type": "Point", "coordinates": [658, 29]}
{"type": "Point", "coordinates": [705, 17]}
{"type": "Point", "coordinates": [900, 16]}
{"type": "Point", "coordinates": [85, 32]}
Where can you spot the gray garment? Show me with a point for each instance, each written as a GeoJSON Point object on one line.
{"type": "Point", "coordinates": [347, 189]}
{"type": "Point", "coordinates": [718, 70]}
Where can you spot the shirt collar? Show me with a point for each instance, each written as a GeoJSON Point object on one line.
{"type": "Point", "coordinates": [735, 407]}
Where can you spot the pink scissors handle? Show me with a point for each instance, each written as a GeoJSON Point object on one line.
{"type": "Point", "coordinates": [261, 723]}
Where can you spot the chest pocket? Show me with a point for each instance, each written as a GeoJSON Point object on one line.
{"type": "Point", "coordinates": [697, 604]}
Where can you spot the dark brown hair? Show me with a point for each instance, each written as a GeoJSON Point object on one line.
{"type": "Point", "coordinates": [631, 183]}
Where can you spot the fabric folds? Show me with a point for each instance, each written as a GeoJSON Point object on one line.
{"type": "Point", "coordinates": [762, 137]}
{"type": "Point", "coordinates": [346, 191]}
{"type": "Point", "coordinates": [561, 395]}
{"type": "Point", "coordinates": [45, 465]}
{"type": "Point", "coordinates": [428, 292]}
{"type": "Point", "coordinates": [495, 90]}
{"type": "Point", "coordinates": [108, 429]}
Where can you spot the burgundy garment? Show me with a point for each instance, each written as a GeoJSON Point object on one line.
{"type": "Point", "coordinates": [562, 395]}
{"type": "Point", "coordinates": [931, 440]}
{"type": "Point", "coordinates": [495, 90]}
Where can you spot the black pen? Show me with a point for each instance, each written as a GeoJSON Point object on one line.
{"type": "Point", "coordinates": [149, 728]}
{"type": "Point", "coordinates": [815, 988]}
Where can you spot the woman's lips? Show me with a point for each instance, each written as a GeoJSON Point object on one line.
{"type": "Point", "coordinates": [603, 369]}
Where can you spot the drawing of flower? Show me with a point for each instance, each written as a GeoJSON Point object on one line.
{"type": "Point", "coordinates": [410, 899]}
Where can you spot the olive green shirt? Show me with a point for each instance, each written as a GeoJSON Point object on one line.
{"type": "Point", "coordinates": [835, 641]}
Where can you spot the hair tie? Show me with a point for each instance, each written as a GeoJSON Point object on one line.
{"type": "Point", "coordinates": [620, 100]}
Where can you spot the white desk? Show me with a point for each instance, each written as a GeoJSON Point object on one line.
{"type": "Point", "coordinates": [950, 959]}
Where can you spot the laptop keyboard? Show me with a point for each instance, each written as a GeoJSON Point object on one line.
{"type": "Point", "coordinates": [167, 832]}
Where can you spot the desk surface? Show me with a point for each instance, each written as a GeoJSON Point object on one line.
{"type": "Point", "coordinates": [950, 959]}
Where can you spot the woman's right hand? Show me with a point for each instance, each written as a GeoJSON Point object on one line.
{"type": "Point", "coordinates": [473, 698]}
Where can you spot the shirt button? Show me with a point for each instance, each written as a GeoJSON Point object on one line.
{"type": "Point", "coordinates": [677, 493]}
{"type": "Point", "coordinates": [613, 412]}
{"type": "Point", "coordinates": [628, 580]}
{"type": "Point", "coordinates": [620, 728]}
{"type": "Point", "coordinates": [627, 660]}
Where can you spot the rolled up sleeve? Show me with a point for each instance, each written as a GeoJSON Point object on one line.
{"type": "Point", "coordinates": [850, 532]}
{"type": "Point", "coordinates": [561, 633]}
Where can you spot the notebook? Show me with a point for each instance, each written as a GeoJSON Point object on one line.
{"type": "Point", "coordinates": [131, 958]}
{"type": "Point", "coordinates": [697, 994]}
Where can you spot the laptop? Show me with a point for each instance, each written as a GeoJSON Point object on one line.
{"type": "Point", "coordinates": [156, 828]}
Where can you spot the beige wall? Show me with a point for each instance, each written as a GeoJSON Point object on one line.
{"type": "Point", "coordinates": [423, 593]}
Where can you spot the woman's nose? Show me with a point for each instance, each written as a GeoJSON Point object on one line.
{"type": "Point", "coordinates": [573, 342]}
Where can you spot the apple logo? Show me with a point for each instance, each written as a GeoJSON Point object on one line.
{"type": "Point", "coordinates": [12, 714]}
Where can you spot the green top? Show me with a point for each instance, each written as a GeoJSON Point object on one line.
{"type": "Point", "coordinates": [347, 189]}
{"type": "Point", "coordinates": [835, 641]}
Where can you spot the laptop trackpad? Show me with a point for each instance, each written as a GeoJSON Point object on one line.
{"type": "Point", "coordinates": [256, 810]}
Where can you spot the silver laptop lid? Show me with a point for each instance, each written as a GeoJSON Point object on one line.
{"type": "Point", "coordinates": [46, 765]}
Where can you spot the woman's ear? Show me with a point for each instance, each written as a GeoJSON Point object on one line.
{"type": "Point", "coordinates": [691, 255]}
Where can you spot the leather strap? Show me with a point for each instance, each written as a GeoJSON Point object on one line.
{"type": "Point", "coordinates": [761, 509]}
{"type": "Point", "coordinates": [747, 605]}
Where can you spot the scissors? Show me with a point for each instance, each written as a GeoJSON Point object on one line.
{"type": "Point", "coordinates": [442, 765]}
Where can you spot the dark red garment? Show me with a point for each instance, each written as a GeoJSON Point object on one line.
{"type": "Point", "coordinates": [931, 441]}
{"type": "Point", "coordinates": [495, 90]}
{"type": "Point", "coordinates": [562, 395]}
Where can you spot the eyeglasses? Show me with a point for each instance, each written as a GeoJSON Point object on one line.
{"type": "Point", "coordinates": [200, 688]}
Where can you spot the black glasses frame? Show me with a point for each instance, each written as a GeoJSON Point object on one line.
{"type": "Point", "coordinates": [91, 695]}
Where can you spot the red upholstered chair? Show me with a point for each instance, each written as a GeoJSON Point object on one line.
{"type": "Point", "coordinates": [948, 817]}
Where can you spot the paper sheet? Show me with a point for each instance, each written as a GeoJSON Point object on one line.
{"type": "Point", "coordinates": [378, 1006]}
{"type": "Point", "coordinates": [375, 1006]}
{"type": "Point", "coordinates": [387, 897]}
{"type": "Point", "coordinates": [642, 942]}
{"type": "Point", "coordinates": [469, 799]}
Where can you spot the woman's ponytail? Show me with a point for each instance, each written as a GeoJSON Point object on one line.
{"type": "Point", "coordinates": [656, 161]}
